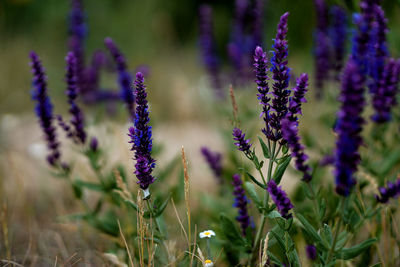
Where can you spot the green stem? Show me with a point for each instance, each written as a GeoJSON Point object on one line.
{"type": "Point", "coordinates": [337, 230]}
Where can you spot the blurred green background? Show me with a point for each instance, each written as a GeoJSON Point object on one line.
{"type": "Point", "coordinates": [161, 34]}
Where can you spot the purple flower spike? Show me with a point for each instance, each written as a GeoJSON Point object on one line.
{"type": "Point", "coordinates": [322, 60]}
{"type": "Point", "coordinates": [242, 143]}
{"type": "Point", "coordinates": [349, 126]}
{"type": "Point", "coordinates": [280, 199]}
{"type": "Point", "coordinates": [362, 36]}
{"type": "Point", "coordinates": [338, 37]}
{"type": "Point", "coordinates": [378, 48]}
{"type": "Point", "coordinates": [208, 47]}
{"type": "Point", "coordinates": [391, 191]}
{"type": "Point", "coordinates": [281, 76]}
{"type": "Point", "coordinates": [141, 136]}
{"type": "Point", "coordinates": [214, 160]}
{"type": "Point", "coordinates": [94, 144]}
{"type": "Point", "coordinates": [311, 252]}
{"type": "Point", "coordinates": [385, 96]}
{"type": "Point", "coordinates": [77, 34]}
{"type": "Point", "coordinates": [77, 118]}
{"type": "Point", "coordinates": [241, 203]}
{"type": "Point", "coordinates": [291, 135]}
{"type": "Point", "coordinates": [125, 78]}
{"type": "Point", "coordinates": [298, 97]}
{"type": "Point", "coordinates": [258, 28]}
{"type": "Point", "coordinates": [44, 109]}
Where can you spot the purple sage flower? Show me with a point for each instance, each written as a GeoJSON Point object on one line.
{"type": "Point", "coordinates": [141, 136]}
{"type": "Point", "coordinates": [348, 128]}
{"type": "Point", "coordinates": [392, 190]}
{"type": "Point", "coordinates": [291, 135]}
{"type": "Point", "coordinates": [311, 252]}
{"type": "Point", "coordinates": [242, 143]}
{"type": "Point", "coordinates": [44, 109]}
{"type": "Point", "coordinates": [281, 76]}
{"type": "Point", "coordinates": [214, 160]}
{"type": "Point", "coordinates": [258, 29]}
{"type": "Point", "coordinates": [241, 203]}
{"type": "Point", "coordinates": [124, 76]}
{"type": "Point", "coordinates": [208, 47]}
{"type": "Point", "coordinates": [260, 68]}
{"type": "Point", "coordinates": [298, 97]}
{"type": "Point", "coordinates": [94, 144]}
{"type": "Point", "coordinates": [385, 95]}
{"type": "Point", "coordinates": [77, 118]}
{"type": "Point", "coordinates": [281, 200]}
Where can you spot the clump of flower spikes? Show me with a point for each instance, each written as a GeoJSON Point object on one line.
{"type": "Point", "coordinates": [125, 78]}
{"type": "Point", "coordinates": [241, 203]}
{"type": "Point", "coordinates": [44, 109]}
{"type": "Point", "coordinates": [214, 160]}
{"type": "Point", "coordinates": [141, 136]}
{"type": "Point", "coordinates": [392, 190]}
{"type": "Point", "coordinates": [281, 200]}
{"type": "Point", "coordinates": [350, 121]}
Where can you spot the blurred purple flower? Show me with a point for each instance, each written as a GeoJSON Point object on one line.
{"type": "Point", "coordinates": [281, 200]}
{"type": "Point", "coordinates": [392, 190]}
{"type": "Point", "coordinates": [141, 136]}
{"type": "Point", "coordinates": [349, 126]}
{"type": "Point", "coordinates": [384, 97]}
{"type": "Point", "coordinates": [44, 109]}
{"type": "Point", "coordinates": [322, 60]}
{"type": "Point", "coordinates": [241, 203]}
{"type": "Point", "coordinates": [311, 252]}
{"type": "Point", "coordinates": [338, 34]}
{"type": "Point", "coordinates": [208, 47]}
{"type": "Point", "coordinates": [298, 98]}
{"type": "Point", "coordinates": [94, 144]}
{"type": "Point", "coordinates": [214, 160]}
{"type": "Point", "coordinates": [124, 76]}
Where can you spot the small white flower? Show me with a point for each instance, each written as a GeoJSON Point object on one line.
{"type": "Point", "coordinates": [208, 234]}
{"type": "Point", "coordinates": [208, 263]}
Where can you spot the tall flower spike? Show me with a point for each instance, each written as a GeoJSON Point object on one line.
{"type": "Point", "coordinates": [378, 47]}
{"type": "Point", "coordinates": [281, 76]}
{"type": "Point", "coordinates": [241, 203]}
{"type": "Point", "coordinates": [242, 143]}
{"type": "Point", "coordinates": [258, 29]}
{"type": "Point", "coordinates": [124, 77]}
{"type": "Point", "coordinates": [291, 135]}
{"type": "Point", "coordinates": [349, 126]}
{"type": "Point", "coordinates": [44, 109]}
{"type": "Point", "coordinates": [362, 35]}
{"type": "Point", "coordinates": [208, 47]}
{"type": "Point", "coordinates": [281, 200]}
{"type": "Point", "coordinates": [77, 34]}
{"type": "Point", "coordinates": [322, 46]}
{"type": "Point", "coordinates": [214, 160]}
{"type": "Point", "coordinates": [77, 118]}
{"type": "Point", "coordinates": [298, 97]}
{"type": "Point", "coordinates": [260, 68]}
{"type": "Point", "coordinates": [338, 37]}
{"type": "Point", "coordinates": [385, 96]}
{"type": "Point", "coordinates": [141, 137]}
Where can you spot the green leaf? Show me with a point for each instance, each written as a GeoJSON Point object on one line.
{"type": "Point", "coordinates": [280, 240]}
{"type": "Point", "coordinates": [232, 233]}
{"type": "Point", "coordinates": [162, 207]}
{"type": "Point", "coordinates": [280, 170]}
{"type": "Point", "coordinates": [77, 190]}
{"type": "Point", "coordinates": [294, 258]}
{"type": "Point", "coordinates": [311, 231]}
{"type": "Point", "coordinates": [251, 191]}
{"type": "Point", "coordinates": [255, 180]}
{"type": "Point", "coordinates": [327, 232]}
{"type": "Point", "coordinates": [264, 148]}
{"type": "Point", "coordinates": [89, 185]}
{"type": "Point", "coordinates": [352, 252]}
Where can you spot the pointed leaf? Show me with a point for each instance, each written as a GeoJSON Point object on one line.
{"type": "Point", "coordinates": [352, 252]}
{"type": "Point", "coordinates": [280, 170]}
{"type": "Point", "coordinates": [264, 148]}
{"type": "Point", "coordinates": [251, 191]}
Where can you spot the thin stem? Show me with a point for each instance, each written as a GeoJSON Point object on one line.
{"type": "Point", "coordinates": [337, 230]}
